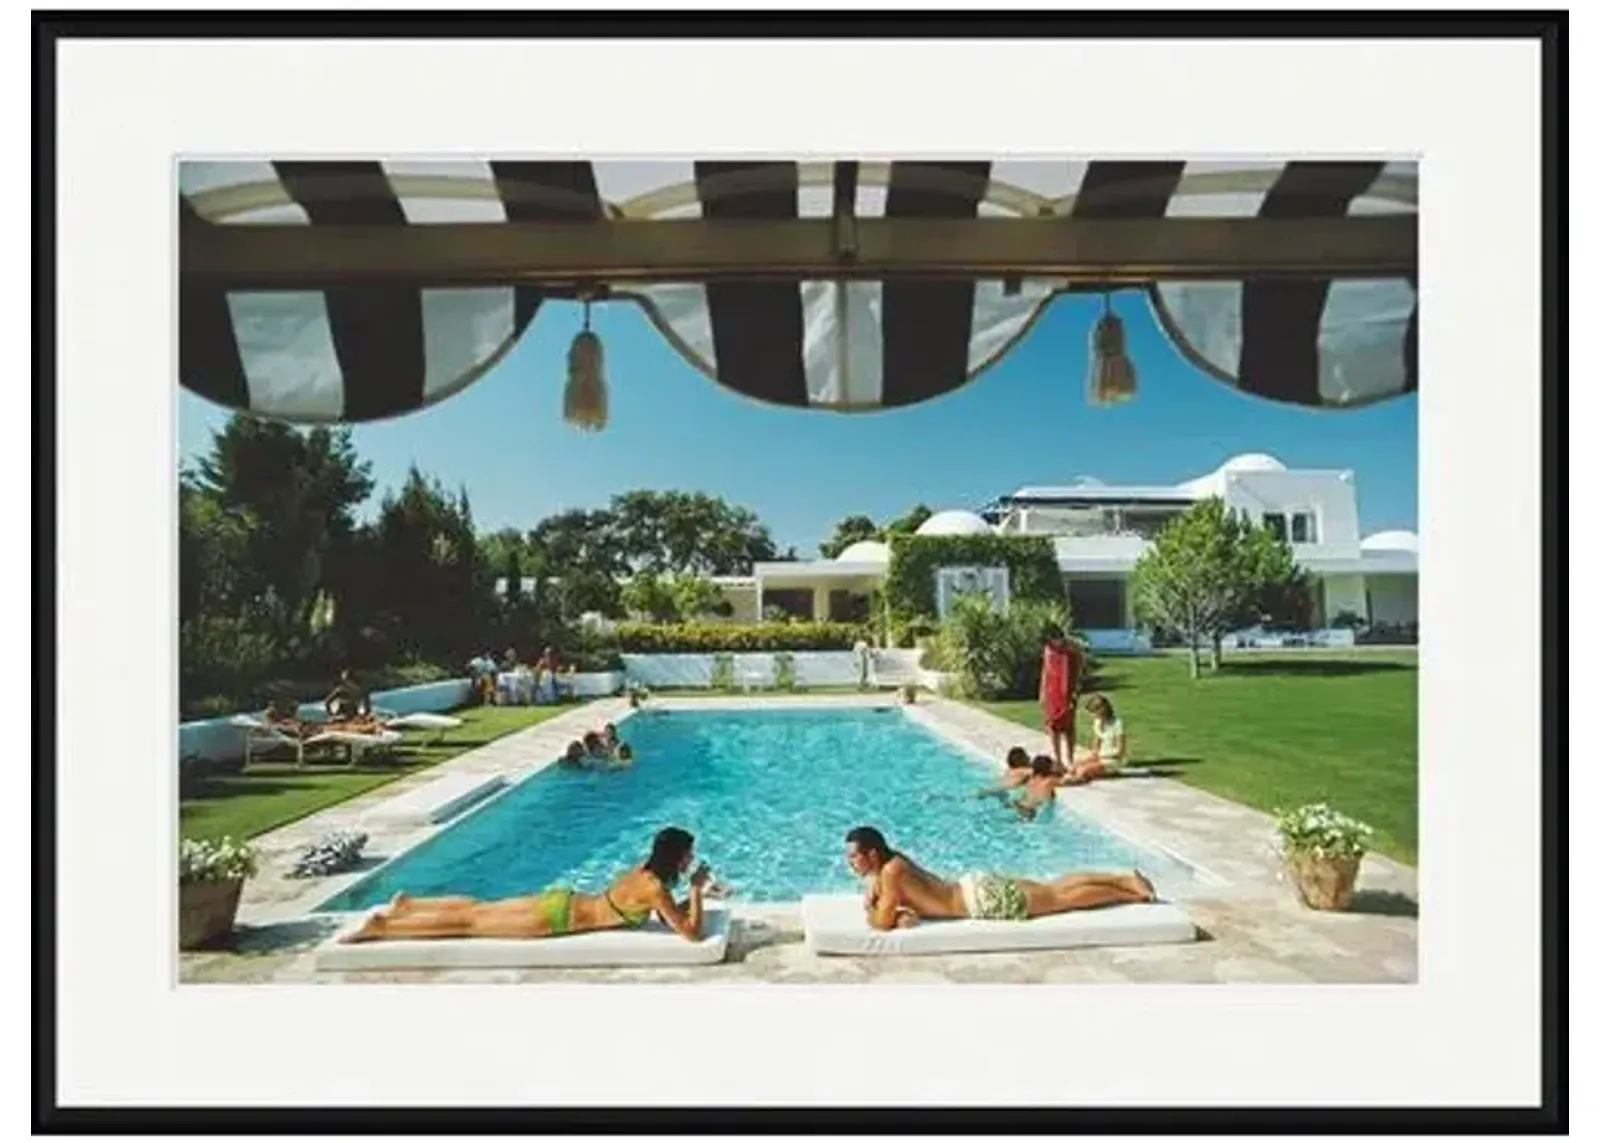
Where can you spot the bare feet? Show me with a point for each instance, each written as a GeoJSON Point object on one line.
{"type": "Point", "coordinates": [1149, 889]}
{"type": "Point", "coordinates": [371, 929]}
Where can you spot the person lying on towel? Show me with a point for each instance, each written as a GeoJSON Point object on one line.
{"type": "Point", "coordinates": [1018, 771]}
{"type": "Point", "coordinates": [628, 903]}
{"type": "Point", "coordinates": [900, 892]}
{"type": "Point", "coordinates": [1039, 789]}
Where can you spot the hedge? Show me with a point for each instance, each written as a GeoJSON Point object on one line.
{"type": "Point", "coordinates": [913, 560]}
{"type": "Point", "coordinates": [708, 638]}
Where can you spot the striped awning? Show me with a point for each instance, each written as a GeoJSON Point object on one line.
{"type": "Point", "coordinates": [355, 349]}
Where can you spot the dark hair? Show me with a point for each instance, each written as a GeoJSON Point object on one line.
{"type": "Point", "coordinates": [609, 728]}
{"type": "Point", "coordinates": [624, 751]}
{"type": "Point", "coordinates": [1043, 764]}
{"type": "Point", "coordinates": [1016, 758]}
{"type": "Point", "coordinates": [1053, 633]}
{"type": "Point", "coordinates": [572, 746]}
{"type": "Point", "coordinates": [591, 740]}
{"type": "Point", "coordinates": [1099, 704]}
{"type": "Point", "coordinates": [869, 839]}
{"type": "Point", "coordinates": [667, 852]}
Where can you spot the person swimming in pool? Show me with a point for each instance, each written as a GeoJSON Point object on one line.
{"type": "Point", "coordinates": [574, 756]}
{"type": "Point", "coordinates": [1018, 771]}
{"type": "Point", "coordinates": [628, 903]}
{"type": "Point", "coordinates": [624, 757]}
{"type": "Point", "coordinates": [900, 892]}
{"type": "Point", "coordinates": [594, 749]}
{"type": "Point", "coordinates": [1039, 789]}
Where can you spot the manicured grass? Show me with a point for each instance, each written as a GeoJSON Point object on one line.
{"type": "Point", "coordinates": [1276, 731]}
{"type": "Point", "coordinates": [274, 793]}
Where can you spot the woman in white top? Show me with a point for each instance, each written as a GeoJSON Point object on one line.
{"type": "Point", "coordinates": [1110, 749]}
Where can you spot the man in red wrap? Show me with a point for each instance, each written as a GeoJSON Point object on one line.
{"type": "Point", "coordinates": [1058, 694]}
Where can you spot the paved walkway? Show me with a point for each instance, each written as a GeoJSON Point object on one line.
{"type": "Point", "coordinates": [1255, 930]}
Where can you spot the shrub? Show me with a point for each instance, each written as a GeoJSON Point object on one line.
{"type": "Point", "coordinates": [222, 859]}
{"type": "Point", "coordinates": [1320, 831]}
{"type": "Point", "coordinates": [708, 638]}
{"type": "Point", "coordinates": [783, 676]}
{"type": "Point", "coordinates": [333, 854]}
{"type": "Point", "coordinates": [722, 672]}
{"type": "Point", "coordinates": [996, 654]}
{"type": "Point", "coordinates": [409, 675]}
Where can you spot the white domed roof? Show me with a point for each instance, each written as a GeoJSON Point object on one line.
{"type": "Point", "coordinates": [1252, 462]}
{"type": "Point", "coordinates": [1396, 541]}
{"type": "Point", "coordinates": [865, 552]}
{"type": "Point", "coordinates": [955, 522]}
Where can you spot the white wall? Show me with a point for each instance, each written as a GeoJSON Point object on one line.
{"type": "Point", "coordinates": [1342, 593]}
{"type": "Point", "coordinates": [811, 668]}
{"type": "Point", "coordinates": [1393, 598]}
{"type": "Point", "coordinates": [1330, 495]}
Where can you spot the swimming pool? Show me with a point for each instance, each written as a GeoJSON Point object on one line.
{"type": "Point", "coordinates": [769, 795]}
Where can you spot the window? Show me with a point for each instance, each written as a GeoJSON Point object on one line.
{"type": "Point", "coordinates": [1303, 528]}
{"type": "Point", "coordinates": [1274, 523]}
{"type": "Point", "coordinates": [1097, 604]}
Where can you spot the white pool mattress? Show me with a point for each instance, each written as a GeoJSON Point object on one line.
{"type": "Point", "coordinates": [836, 925]}
{"type": "Point", "coordinates": [653, 944]}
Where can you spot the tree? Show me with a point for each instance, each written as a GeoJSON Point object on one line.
{"type": "Point", "coordinates": [652, 597]}
{"type": "Point", "coordinates": [697, 596]}
{"type": "Point", "coordinates": [300, 491]}
{"type": "Point", "coordinates": [1210, 571]}
{"type": "Point", "coordinates": [431, 581]}
{"type": "Point", "coordinates": [687, 533]}
{"type": "Point", "coordinates": [850, 530]}
{"type": "Point", "coordinates": [909, 523]}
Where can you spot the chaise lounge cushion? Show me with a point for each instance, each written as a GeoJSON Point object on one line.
{"type": "Point", "coordinates": [837, 925]}
{"type": "Point", "coordinates": [652, 944]}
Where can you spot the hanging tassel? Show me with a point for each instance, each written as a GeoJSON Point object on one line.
{"type": "Point", "coordinates": [584, 404]}
{"type": "Point", "coordinates": [1112, 379]}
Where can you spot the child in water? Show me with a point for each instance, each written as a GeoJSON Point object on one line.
{"type": "Point", "coordinates": [1040, 789]}
{"type": "Point", "coordinates": [1018, 771]}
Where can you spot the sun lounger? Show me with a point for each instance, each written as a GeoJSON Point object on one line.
{"type": "Point", "coordinates": [652, 945]}
{"type": "Point", "coordinates": [261, 736]}
{"type": "Point", "coordinates": [836, 925]}
{"type": "Point", "coordinates": [422, 720]}
{"type": "Point", "coordinates": [356, 742]}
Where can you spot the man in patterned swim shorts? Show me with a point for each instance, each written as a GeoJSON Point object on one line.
{"type": "Point", "coordinates": [900, 892]}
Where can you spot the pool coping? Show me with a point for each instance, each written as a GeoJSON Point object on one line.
{"type": "Point", "coordinates": [274, 897]}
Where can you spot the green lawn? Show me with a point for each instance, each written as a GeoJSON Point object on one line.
{"type": "Point", "coordinates": [274, 793]}
{"type": "Point", "coordinates": [1277, 731]}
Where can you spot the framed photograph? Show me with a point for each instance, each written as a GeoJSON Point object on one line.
{"type": "Point", "coordinates": [513, 481]}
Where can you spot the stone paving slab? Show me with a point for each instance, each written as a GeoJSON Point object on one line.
{"type": "Point", "coordinates": [1253, 928]}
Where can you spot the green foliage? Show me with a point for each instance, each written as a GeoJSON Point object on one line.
{"type": "Point", "coordinates": [913, 561]}
{"type": "Point", "coordinates": [783, 674]}
{"type": "Point", "coordinates": [996, 654]}
{"type": "Point", "coordinates": [908, 524]}
{"type": "Point", "coordinates": [222, 859]}
{"type": "Point", "coordinates": [651, 597]}
{"type": "Point", "coordinates": [696, 596]}
{"type": "Point", "coordinates": [850, 530]}
{"type": "Point", "coordinates": [722, 672]}
{"type": "Point", "coordinates": [708, 638]}
{"type": "Point", "coordinates": [1318, 830]}
{"type": "Point", "coordinates": [1210, 571]}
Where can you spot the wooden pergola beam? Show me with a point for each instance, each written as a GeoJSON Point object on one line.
{"type": "Point", "coordinates": [620, 252]}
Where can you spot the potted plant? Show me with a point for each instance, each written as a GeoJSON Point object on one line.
{"type": "Point", "coordinates": [211, 874]}
{"type": "Point", "coordinates": [1323, 849]}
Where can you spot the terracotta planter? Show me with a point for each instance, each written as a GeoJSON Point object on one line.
{"type": "Point", "coordinates": [205, 911]}
{"type": "Point", "coordinates": [1324, 882]}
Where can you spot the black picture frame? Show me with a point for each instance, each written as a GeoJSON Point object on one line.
{"type": "Point", "coordinates": [1549, 29]}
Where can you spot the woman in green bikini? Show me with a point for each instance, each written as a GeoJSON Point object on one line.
{"type": "Point", "coordinates": [628, 903]}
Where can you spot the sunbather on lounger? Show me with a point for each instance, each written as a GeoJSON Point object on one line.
{"type": "Point", "coordinates": [283, 716]}
{"type": "Point", "coordinates": [901, 892]}
{"type": "Point", "coordinates": [628, 903]}
{"type": "Point", "coordinates": [348, 702]}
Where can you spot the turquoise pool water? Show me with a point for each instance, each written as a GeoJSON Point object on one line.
{"type": "Point", "coordinates": [768, 795]}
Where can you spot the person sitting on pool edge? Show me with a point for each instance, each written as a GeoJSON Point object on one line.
{"type": "Point", "coordinates": [1039, 790]}
{"type": "Point", "coordinates": [1018, 771]}
{"type": "Point", "coordinates": [900, 892]}
{"type": "Point", "coordinates": [628, 903]}
{"type": "Point", "coordinates": [1110, 748]}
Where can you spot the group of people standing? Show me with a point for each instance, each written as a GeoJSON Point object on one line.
{"type": "Point", "coordinates": [511, 681]}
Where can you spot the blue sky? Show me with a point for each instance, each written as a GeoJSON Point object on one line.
{"type": "Point", "coordinates": [1025, 421]}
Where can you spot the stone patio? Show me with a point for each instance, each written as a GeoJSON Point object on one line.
{"type": "Point", "coordinates": [1254, 928]}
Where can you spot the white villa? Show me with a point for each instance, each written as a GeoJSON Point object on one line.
{"type": "Point", "coordinates": [1099, 532]}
